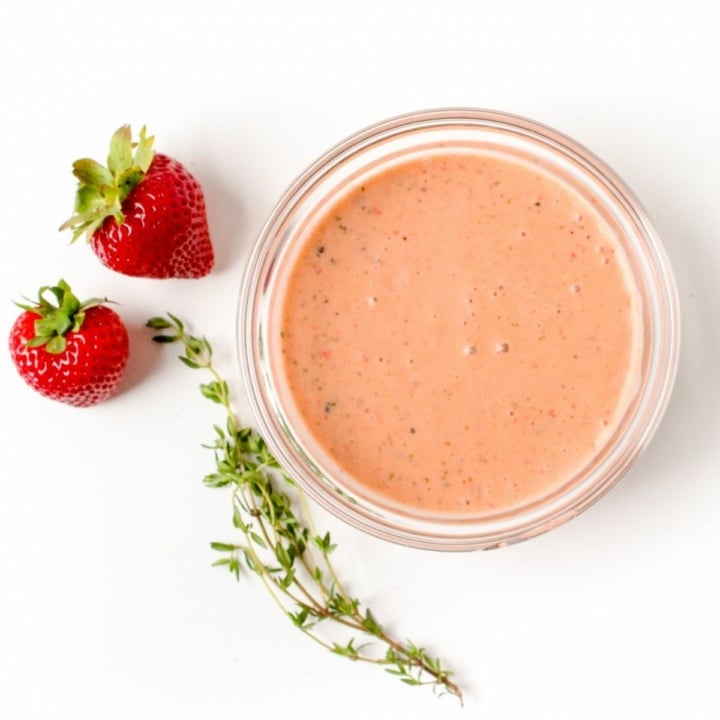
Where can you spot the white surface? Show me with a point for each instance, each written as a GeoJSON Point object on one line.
{"type": "Point", "coordinates": [108, 605]}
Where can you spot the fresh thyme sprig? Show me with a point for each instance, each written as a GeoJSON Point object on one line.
{"type": "Point", "coordinates": [281, 545]}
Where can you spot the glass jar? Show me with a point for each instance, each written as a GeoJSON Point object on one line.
{"type": "Point", "coordinates": [371, 151]}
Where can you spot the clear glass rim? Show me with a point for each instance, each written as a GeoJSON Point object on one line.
{"type": "Point", "coordinates": [448, 533]}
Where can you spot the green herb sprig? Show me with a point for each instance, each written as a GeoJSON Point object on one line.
{"type": "Point", "coordinates": [281, 545]}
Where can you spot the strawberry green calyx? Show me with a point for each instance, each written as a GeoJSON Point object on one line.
{"type": "Point", "coordinates": [57, 319]}
{"type": "Point", "coordinates": [102, 189]}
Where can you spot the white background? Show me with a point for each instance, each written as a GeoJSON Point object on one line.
{"type": "Point", "coordinates": [108, 605]}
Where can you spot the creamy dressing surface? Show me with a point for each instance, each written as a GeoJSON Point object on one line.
{"type": "Point", "coordinates": [458, 333]}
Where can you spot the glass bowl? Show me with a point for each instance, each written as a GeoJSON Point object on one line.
{"type": "Point", "coordinates": [368, 152]}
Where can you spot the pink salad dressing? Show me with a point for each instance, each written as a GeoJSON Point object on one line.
{"type": "Point", "coordinates": [459, 333]}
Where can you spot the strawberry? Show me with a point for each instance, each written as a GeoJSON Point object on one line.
{"type": "Point", "coordinates": [144, 214]}
{"type": "Point", "coordinates": [69, 351]}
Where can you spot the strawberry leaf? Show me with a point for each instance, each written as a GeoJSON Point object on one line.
{"type": "Point", "coordinates": [144, 152]}
{"type": "Point", "coordinates": [56, 324]}
{"type": "Point", "coordinates": [88, 199]}
{"type": "Point", "coordinates": [92, 173]}
{"type": "Point", "coordinates": [120, 156]}
{"type": "Point", "coordinates": [56, 345]}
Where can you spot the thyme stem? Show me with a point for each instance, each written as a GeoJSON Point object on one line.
{"type": "Point", "coordinates": [282, 546]}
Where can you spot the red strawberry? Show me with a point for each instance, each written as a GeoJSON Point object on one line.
{"type": "Point", "coordinates": [144, 214]}
{"type": "Point", "coordinates": [70, 351]}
